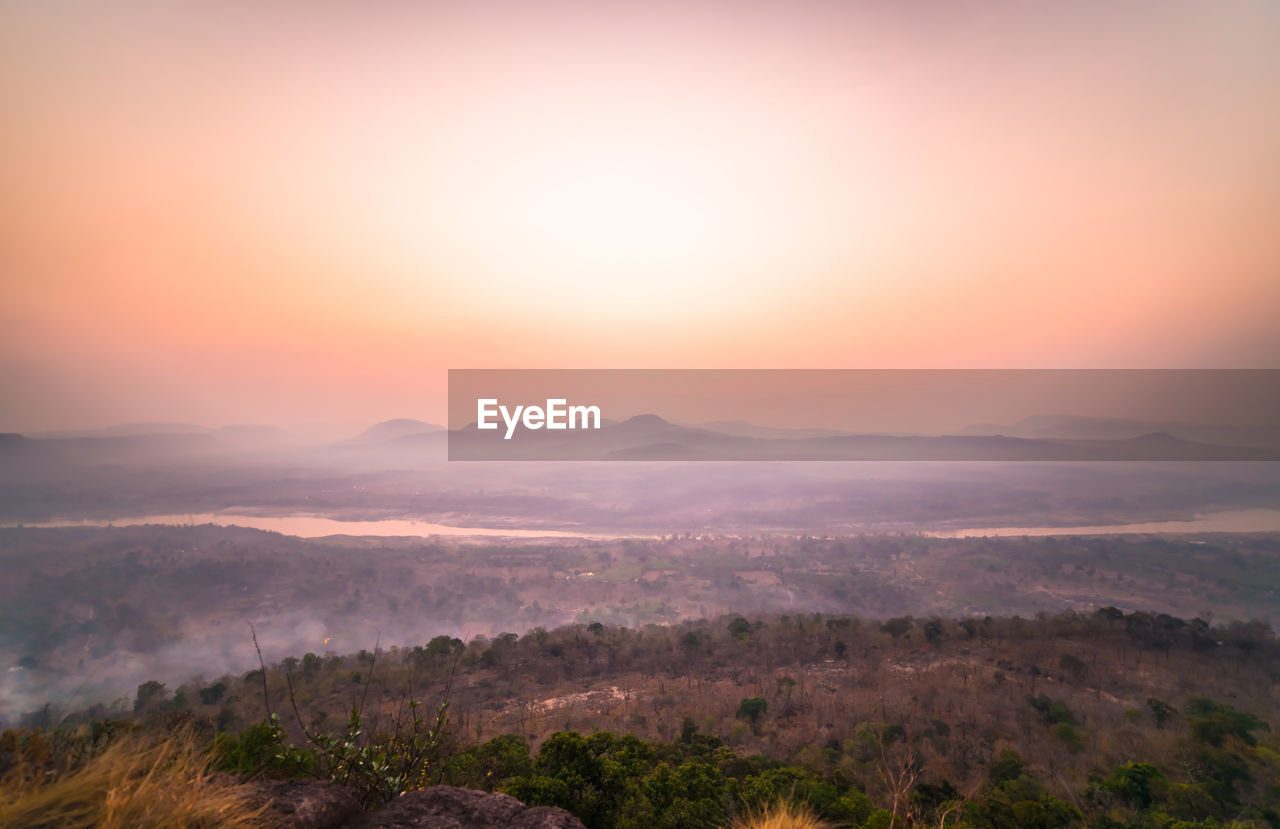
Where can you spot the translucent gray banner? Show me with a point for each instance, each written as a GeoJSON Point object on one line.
{"type": "Point", "coordinates": [864, 415]}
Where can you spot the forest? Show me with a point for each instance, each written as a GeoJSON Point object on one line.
{"type": "Point", "coordinates": [1099, 719]}
{"type": "Point", "coordinates": [86, 613]}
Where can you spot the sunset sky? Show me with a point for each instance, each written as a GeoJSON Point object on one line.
{"type": "Point", "coordinates": [288, 213]}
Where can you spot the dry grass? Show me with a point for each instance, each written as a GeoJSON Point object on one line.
{"type": "Point", "coordinates": [781, 815]}
{"type": "Point", "coordinates": [137, 781]}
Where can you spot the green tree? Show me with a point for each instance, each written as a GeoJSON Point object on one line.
{"type": "Point", "coordinates": [147, 691]}
{"type": "Point", "coordinates": [1072, 667]}
{"type": "Point", "coordinates": [212, 694]}
{"type": "Point", "coordinates": [489, 765]}
{"type": "Point", "coordinates": [752, 709]}
{"type": "Point", "coordinates": [1009, 766]}
{"type": "Point", "coordinates": [897, 626]}
{"type": "Point", "coordinates": [1161, 710]}
{"type": "Point", "coordinates": [1137, 784]}
{"type": "Point", "coordinates": [689, 795]}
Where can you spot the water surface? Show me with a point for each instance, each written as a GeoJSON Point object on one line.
{"type": "Point", "coordinates": [317, 526]}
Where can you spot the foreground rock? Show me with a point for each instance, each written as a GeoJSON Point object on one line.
{"type": "Point", "coordinates": [447, 807]}
{"type": "Point", "coordinates": [306, 804]}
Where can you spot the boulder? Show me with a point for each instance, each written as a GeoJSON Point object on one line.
{"type": "Point", "coordinates": [448, 807]}
{"type": "Point", "coordinates": [306, 804]}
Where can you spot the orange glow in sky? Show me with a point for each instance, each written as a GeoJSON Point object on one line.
{"type": "Point", "coordinates": [308, 213]}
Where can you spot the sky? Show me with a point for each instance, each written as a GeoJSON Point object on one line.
{"type": "Point", "coordinates": [295, 213]}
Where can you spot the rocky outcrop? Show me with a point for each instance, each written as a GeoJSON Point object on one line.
{"type": "Point", "coordinates": [320, 804]}
{"type": "Point", "coordinates": [306, 804]}
{"type": "Point", "coordinates": [447, 807]}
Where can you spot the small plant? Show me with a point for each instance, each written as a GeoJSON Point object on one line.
{"type": "Point", "coordinates": [262, 750]}
{"type": "Point", "coordinates": [379, 766]}
{"type": "Point", "coordinates": [379, 769]}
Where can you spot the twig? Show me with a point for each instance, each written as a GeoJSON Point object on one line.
{"type": "Point", "coordinates": [314, 739]}
{"type": "Point", "coordinates": [266, 697]}
{"type": "Point", "coordinates": [373, 660]}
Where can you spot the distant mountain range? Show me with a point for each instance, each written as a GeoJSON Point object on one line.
{"type": "Point", "coordinates": [386, 430]}
{"type": "Point", "coordinates": [652, 438]}
{"type": "Point", "coordinates": [1069, 426]}
{"type": "Point", "coordinates": [400, 427]}
{"type": "Point", "coordinates": [743, 429]}
{"type": "Point", "coordinates": [126, 430]}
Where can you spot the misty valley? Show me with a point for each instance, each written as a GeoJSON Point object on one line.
{"type": "Point", "coordinates": [89, 613]}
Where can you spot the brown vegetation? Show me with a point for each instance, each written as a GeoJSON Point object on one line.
{"type": "Point", "coordinates": [780, 815]}
{"type": "Point", "coordinates": [138, 781]}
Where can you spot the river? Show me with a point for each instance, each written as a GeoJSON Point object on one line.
{"type": "Point", "coordinates": [315, 526]}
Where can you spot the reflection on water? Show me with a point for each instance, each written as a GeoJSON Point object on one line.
{"type": "Point", "coordinates": [315, 526]}
{"type": "Point", "coordinates": [1233, 521]}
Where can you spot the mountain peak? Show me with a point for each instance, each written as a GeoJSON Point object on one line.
{"type": "Point", "coordinates": [397, 428]}
{"type": "Point", "coordinates": [646, 420]}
